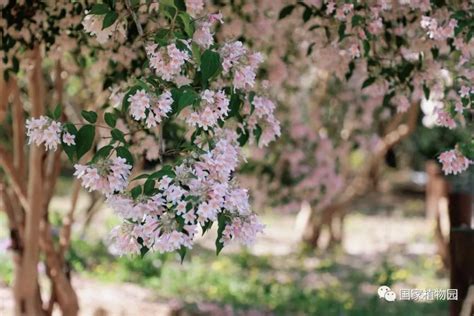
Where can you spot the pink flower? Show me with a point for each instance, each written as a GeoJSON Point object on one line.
{"type": "Point", "coordinates": [376, 26]}
{"type": "Point", "coordinates": [216, 17]}
{"type": "Point", "coordinates": [243, 230]}
{"type": "Point", "coordinates": [181, 208]}
{"type": "Point", "coordinates": [354, 51]}
{"type": "Point", "coordinates": [459, 108]}
{"type": "Point", "coordinates": [160, 110]}
{"type": "Point", "coordinates": [139, 103]}
{"type": "Point", "coordinates": [264, 117]}
{"type": "Point", "coordinates": [244, 78]}
{"type": "Point", "coordinates": [203, 36]}
{"type": "Point", "coordinates": [402, 103]}
{"type": "Point", "coordinates": [167, 61]}
{"type": "Point", "coordinates": [44, 131]}
{"type": "Point", "coordinates": [464, 92]}
{"type": "Point", "coordinates": [453, 162]}
{"type": "Point", "coordinates": [194, 7]}
{"type": "Point", "coordinates": [107, 176]}
{"type": "Point", "coordinates": [444, 119]}
{"type": "Point", "coordinates": [68, 139]}
{"type": "Point", "coordinates": [93, 25]}
{"type": "Point", "coordinates": [189, 217]}
{"type": "Point", "coordinates": [330, 7]}
{"type": "Point", "coordinates": [214, 106]}
{"type": "Point", "coordinates": [124, 240]}
{"type": "Point", "coordinates": [207, 212]}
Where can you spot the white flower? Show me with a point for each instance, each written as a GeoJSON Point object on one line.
{"type": "Point", "coordinates": [69, 139]}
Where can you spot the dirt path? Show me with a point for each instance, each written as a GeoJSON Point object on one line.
{"type": "Point", "coordinates": [101, 299]}
{"type": "Point", "coordinates": [381, 229]}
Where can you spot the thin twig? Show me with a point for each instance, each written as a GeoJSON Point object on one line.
{"type": "Point", "coordinates": [134, 16]}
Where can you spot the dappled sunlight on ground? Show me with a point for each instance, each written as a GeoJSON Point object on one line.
{"type": "Point", "coordinates": [382, 246]}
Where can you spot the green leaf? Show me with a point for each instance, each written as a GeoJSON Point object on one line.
{"type": "Point", "coordinates": [103, 152]}
{"type": "Point", "coordinates": [207, 225]}
{"type": "Point", "coordinates": [109, 19]}
{"type": "Point", "coordinates": [182, 253]}
{"type": "Point", "coordinates": [350, 71]}
{"type": "Point", "coordinates": [186, 98]}
{"type": "Point", "coordinates": [366, 45]}
{"type": "Point", "coordinates": [405, 71]}
{"type": "Point", "coordinates": [161, 37]}
{"type": "Point", "coordinates": [426, 91]}
{"type": "Point", "coordinates": [310, 49]}
{"type": "Point", "coordinates": [357, 20]}
{"type": "Point", "coordinates": [210, 65]}
{"type": "Point", "coordinates": [188, 26]}
{"type": "Point", "coordinates": [142, 176]}
{"type": "Point", "coordinates": [149, 186]}
{"type": "Point", "coordinates": [196, 53]}
{"type": "Point", "coordinates": [100, 9]}
{"type": "Point", "coordinates": [342, 31]}
{"type": "Point", "coordinates": [89, 116]}
{"type": "Point", "coordinates": [143, 251]}
{"type": "Point", "coordinates": [467, 149]}
{"type": "Point", "coordinates": [180, 5]}
{"type": "Point", "coordinates": [307, 14]}
{"type": "Point", "coordinates": [125, 101]}
{"type": "Point", "coordinates": [57, 112]}
{"type": "Point", "coordinates": [118, 135]}
{"type": "Point", "coordinates": [70, 150]}
{"type": "Point", "coordinates": [84, 140]}
{"type": "Point", "coordinates": [243, 136]}
{"type": "Point", "coordinates": [168, 8]}
{"type": "Point", "coordinates": [235, 104]}
{"type": "Point", "coordinates": [257, 132]}
{"type": "Point", "coordinates": [110, 119]}
{"type": "Point", "coordinates": [286, 11]}
{"type": "Point", "coordinates": [166, 170]}
{"type": "Point", "coordinates": [222, 223]}
{"type": "Point", "coordinates": [136, 191]}
{"type": "Point", "coordinates": [124, 153]}
{"type": "Point", "coordinates": [368, 82]}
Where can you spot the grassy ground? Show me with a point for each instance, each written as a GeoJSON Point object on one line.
{"type": "Point", "coordinates": [329, 284]}
{"type": "Point", "coordinates": [383, 246]}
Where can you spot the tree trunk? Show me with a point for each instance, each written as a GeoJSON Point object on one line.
{"type": "Point", "coordinates": [26, 197]}
{"type": "Point", "coordinates": [461, 244]}
{"type": "Point", "coordinates": [396, 131]}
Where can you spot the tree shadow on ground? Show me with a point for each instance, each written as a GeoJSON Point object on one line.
{"type": "Point", "coordinates": [241, 283]}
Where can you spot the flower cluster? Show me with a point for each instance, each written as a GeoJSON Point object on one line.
{"type": "Point", "coordinates": [437, 32]}
{"type": "Point", "coordinates": [263, 116]}
{"type": "Point", "coordinates": [93, 24]}
{"type": "Point", "coordinates": [402, 103]}
{"type": "Point", "coordinates": [203, 35]}
{"type": "Point", "coordinates": [140, 104]}
{"type": "Point", "coordinates": [194, 7]}
{"type": "Point", "coordinates": [453, 162]}
{"type": "Point", "coordinates": [106, 176]}
{"type": "Point", "coordinates": [243, 230]}
{"type": "Point", "coordinates": [189, 83]}
{"type": "Point", "coordinates": [443, 118]}
{"type": "Point", "coordinates": [166, 61]}
{"type": "Point", "coordinates": [243, 65]}
{"type": "Point", "coordinates": [198, 193]}
{"type": "Point", "coordinates": [466, 91]}
{"type": "Point", "coordinates": [44, 130]}
{"type": "Point", "coordinates": [213, 106]}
